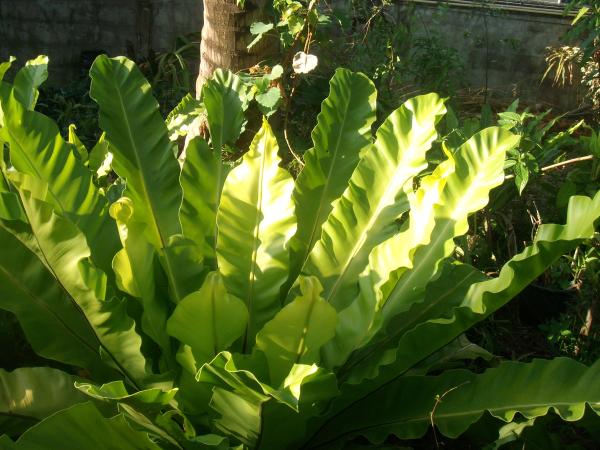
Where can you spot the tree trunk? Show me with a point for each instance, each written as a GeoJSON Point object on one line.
{"type": "Point", "coordinates": [226, 35]}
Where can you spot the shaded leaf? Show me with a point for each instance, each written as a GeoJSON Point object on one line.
{"type": "Point", "coordinates": [135, 272]}
{"type": "Point", "coordinates": [209, 320]}
{"type": "Point", "coordinates": [296, 334]}
{"type": "Point", "coordinates": [224, 98]}
{"type": "Point", "coordinates": [83, 427]}
{"type": "Point", "coordinates": [51, 320]}
{"type": "Point", "coordinates": [66, 254]}
{"type": "Point", "coordinates": [182, 117]}
{"type": "Point", "coordinates": [530, 389]}
{"type": "Point", "coordinates": [30, 394]}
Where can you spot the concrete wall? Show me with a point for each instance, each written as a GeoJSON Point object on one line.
{"type": "Point", "coordinates": [71, 31]}
{"type": "Point", "coordinates": [502, 49]}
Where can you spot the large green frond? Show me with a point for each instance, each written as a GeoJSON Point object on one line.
{"type": "Point", "coordinates": [29, 394]}
{"type": "Point", "coordinates": [202, 178]}
{"type": "Point", "coordinates": [38, 150]}
{"type": "Point", "coordinates": [386, 359]}
{"type": "Point", "coordinates": [142, 152]}
{"type": "Point", "coordinates": [478, 168]}
{"type": "Point", "coordinates": [531, 390]}
{"type": "Point", "coordinates": [342, 133]}
{"type": "Point", "coordinates": [51, 320]}
{"type": "Point", "coordinates": [255, 221]}
{"type": "Point", "coordinates": [66, 254]}
{"type": "Point", "coordinates": [83, 427]}
{"type": "Point", "coordinates": [365, 215]}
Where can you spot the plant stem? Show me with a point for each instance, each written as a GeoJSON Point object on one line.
{"type": "Point", "coordinates": [560, 164]}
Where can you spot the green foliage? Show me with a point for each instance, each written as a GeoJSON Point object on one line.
{"type": "Point", "coordinates": [32, 394]}
{"type": "Point", "coordinates": [71, 104]}
{"type": "Point", "coordinates": [585, 27]}
{"type": "Point", "coordinates": [292, 19]}
{"type": "Point", "coordinates": [229, 306]}
{"type": "Point", "coordinates": [170, 73]}
{"type": "Point", "coordinates": [390, 42]}
{"type": "Point", "coordinates": [538, 145]}
{"type": "Point", "coordinates": [581, 53]}
{"type": "Point", "coordinates": [436, 66]}
{"type": "Point", "coordinates": [572, 333]}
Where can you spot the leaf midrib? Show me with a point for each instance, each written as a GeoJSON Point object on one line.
{"type": "Point", "coordinates": [37, 300]}
{"type": "Point", "coordinates": [50, 267]}
{"type": "Point", "coordinates": [381, 344]}
{"type": "Point", "coordinates": [302, 339]}
{"type": "Point", "coordinates": [382, 204]}
{"type": "Point", "coordinates": [311, 240]}
{"type": "Point", "coordinates": [255, 245]}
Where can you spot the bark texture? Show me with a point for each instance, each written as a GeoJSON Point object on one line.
{"type": "Point", "coordinates": [226, 35]}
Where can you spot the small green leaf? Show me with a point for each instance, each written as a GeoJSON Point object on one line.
{"type": "Point", "coordinates": [269, 100]}
{"type": "Point", "coordinates": [183, 116]}
{"type": "Point", "coordinates": [4, 66]}
{"type": "Point", "coordinates": [582, 12]}
{"type": "Point", "coordinates": [260, 27]}
{"type": "Point", "coordinates": [276, 72]}
{"type": "Point", "coordinates": [521, 176]}
{"type": "Point", "coordinates": [100, 159]}
{"type": "Point", "coordinates": [28, 79]}
{"type": "Point", "coordinates": [74, 140]}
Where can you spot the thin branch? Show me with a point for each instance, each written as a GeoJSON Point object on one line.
{"type": "Point", "coordinates": [438, 400]}
{"type": "Point", "coordinates": [286, 121]}
{"type": "Point", "coordinates": [307, 43]}
{"type": "Point", "coordinates": [560, 164]}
